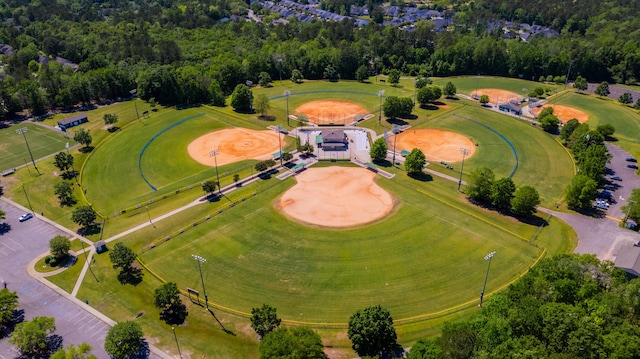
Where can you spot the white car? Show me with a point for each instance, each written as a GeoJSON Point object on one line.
{"type": "Point", "coordinates": [25, 217]}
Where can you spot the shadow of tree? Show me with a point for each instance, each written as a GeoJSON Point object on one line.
{"type": "Point", "coordinates": [421, 176]}
{"type": "Point", "coordinates": [86, 149]}
{"type": "Point", "coordinates": [131, 275]}
{"type": "Point", "coordinates": [9, 326]}
{"type": "Point", "coordinates": [175, 314]}
{"type": "Point", "coordinates": [143, 352]}
{"type": "Point", "coordinates": [4, 228]}
{"type": "Point", "coordinates": [87, 231]}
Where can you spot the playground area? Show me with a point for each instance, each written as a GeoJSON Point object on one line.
{"type": "Point", "coordinates": [233, 145]}
{"type": "Point", "coordinates": [564, 113]}
{"type": "Point", "coordinates": [335, 197]}
{"type": "Point", "coordinates": [437, 145]}
{"type": "Point", "coordinates": [327, 112]}
{"type": "Point", "coordinates": [497, 96]}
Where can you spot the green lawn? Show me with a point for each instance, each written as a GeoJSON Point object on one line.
{"type": "Point", "coordinates": [468, 84]}
{"type": "Point", "coordinates": [42, 141]}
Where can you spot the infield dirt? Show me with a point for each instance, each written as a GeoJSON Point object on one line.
{"type": "Point", "coordinates": [437, 145]}
{"type": "Point", "coordinates": [233, 145]}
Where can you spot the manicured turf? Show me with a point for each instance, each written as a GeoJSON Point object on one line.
{"type": "Point", "coordinates": [42, 141]}
{"type": "Point", "coordinates": [430, 252]}
{"type": "Point", "coordinates": [468, 84]}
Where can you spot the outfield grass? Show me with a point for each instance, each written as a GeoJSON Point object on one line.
{"type": "Point", "coordinates": [468, 84]}
{"type": "Point", "coordinates": [286, 264]}
{"type": "Point", "coordinates": [42, 141]}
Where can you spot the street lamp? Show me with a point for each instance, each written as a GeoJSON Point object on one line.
{"type": "Point", "coordinates": [133, 93]}
{"type": "Point", "coordinates": [380, 94]}
{"type": "Point", "coordinates": [215, 159]}
{"type": "Point", "coordinates": [28, 201]}
{"type": "Point", "coordinates": [176, 338]}
{"type": "Point", "coordinates": [202, 260]}
{"type": "Point", "coordinates": [464, 152]}
{"type": "Point", "coordinates": [484, 286]}
{"type": "Point", "coordinates": [72, 168]}
{"type": "Point", "coordinates": [22, 131]}
{"type": "Point", "coordinates": [287, 93]}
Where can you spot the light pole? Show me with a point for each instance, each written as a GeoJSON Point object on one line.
{"type": "Point", "coordinates": [464, 152]}
{"type": "Point", "coordinates": [484, 286]}
{"type": "Point", "coordinates": [22, 131]}
{"type": "Point", "coordinates": [631, 203]}
{"type": "Point", "coordinates": [176, 338]}
{"type": "Point", "coordinates": [133, 93]}
{"type": "Point", "coordinates": [215, 159]}
{"type": "Point", "coordinates": [280, 143]}
{"type": "Point", "coordinates": [566, 80]}
{"type": "Point", "coordinates": [394, 130]}
{"type": "Point", "coordinates": [380, 94]}
{"type": "Point", "coordinates": [72, 168]}
{"type": "Point", "coordinates": [28, 201]}
{"type": "Point", "coordinates": [202, 260]}
{"type": "Point", "coordinates": [287, 93]}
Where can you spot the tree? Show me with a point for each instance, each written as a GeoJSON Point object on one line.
{"type": "Point", "coordinates": [421, 82]}
{"type": "Point", "coordinates": [330, 73]}
{"type": "Point", "coordinates": [64, 192]}
{"type": "Point", "coordinates": [580, 192]}
{"type": "Point", "coordinates": [63, 161]}
{"type": "Point", "coordinates": [264, 319]}
{"type": "Point", "coordinates": [524, 201]}
{"type": "Point", "coordinates": [378, 150]}
{"type": "Point", "coordinates": [502, 193]}
{"type": "Point", "coordinates": [121, 256]}
{"type": "Point", "coordinates": [59, 246]}
{"type": "Point", "coordinates": [425, 349]}
{"type": "Point", "coordinates": [8, 305]}
{"type": "Point", "coordinates": [428, 94]}
{"type": "Point", "coordinates": [362, 73]}
{"type": "Point", "coordinates": [394, 106]}
{"type": "Point", "coordinates": [3, 214]}
{"type": "Point", "coordinates": [261, 104]}
{"type": "Point", "coordinates": [264, 79]}
{"type": "Point", "coordinates": [371, 331]}
{"type": "Point", "coordinates": [123, 340]}
{"type": "Point", "coordinates": [73, 352]}
{"type": "Point", "coordinates": [32, 338]}
{"type": "Point", "coordinates": [296, 76]}
{"type": "Point", "coordinates": [84, 216]}
{"type": "Point", "coordinates": [568, 128]}
{"type": "Point", "coordinates": [450, 89]}
{"type": "Point", "coordinates": [241, 98]}
{"type": "Point", "coordinates": [286, 156]}
{"type": "Point", "coordinates": [484, 99]}
{"type": "Point", "coordinates": [83, 137]}
{"type": "Point", "coordinates": [637, 105]}
{"type": "Point", "coordinates": [209, 186]}
{"type": "Point", "coordinates": [167, 298]}
{"type": "Point", "coordinates": [549, 123]}
{"type": "Point", "coordinates": [606, 130]}
{"type": "Point", "coordinates": [394, 77]}
{"type": "Point", "coordinates": [632, 208]}
{"type": "Point", "coordinates": [415, 161]}
{"type": "Point", "coordinates": [110, 118]}
{"type": "Point", "coordinates": [292, 343]}
{"type": "Point", "coordinates": [602, 89]}
{"type": "Point", "coordinates": [480, 184]}
{"type": "Point", "coordinates": [580, 84]}
{"type": "Point", "coordinates": [625, 98]}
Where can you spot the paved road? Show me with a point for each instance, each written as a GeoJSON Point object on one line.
{"type": "Point", "coordinates": [18, 247]}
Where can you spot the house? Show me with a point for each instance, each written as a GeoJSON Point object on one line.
{"type": "Point", "coordinates": [629, 259]}
{"type": "Point", "coordinates": [333, 140]}
{"type": "Point", "coordinates": [72, 121]}
{"type": "Point", "coordinates": [510, 107]}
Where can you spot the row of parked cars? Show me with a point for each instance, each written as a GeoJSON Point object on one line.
{"type": "Point", "coordinates": [632, 163]}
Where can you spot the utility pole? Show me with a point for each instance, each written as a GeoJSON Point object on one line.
{"type": "Point", "coordinates": [484, 286]}
{"type": "Point", "coordinates": [22, 131]}
{"type": "Point", "coordinates": [215, 159]}
{"type": "Point", "coordinates": [202, 260]}
{"type": "Point", "coordinates": [464, 152]}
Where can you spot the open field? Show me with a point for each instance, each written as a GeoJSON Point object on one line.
{"type": "Point", "coordinates": [469, 84]}
{"type": "Point", "coordinates": [42, 141]}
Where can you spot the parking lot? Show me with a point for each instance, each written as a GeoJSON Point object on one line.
{"type": "Point", "coordinates": [18, 246]}
{"type": "Point", "coordinates": [620, 189]}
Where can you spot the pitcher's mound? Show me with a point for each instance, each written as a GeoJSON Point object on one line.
{"type": "Point", "coordinates": [564, 113]}
{"type": "Point", "coordinates": [325, 112]}
{"type": "Point", "coordinates": [233, 145]}
{"type": "Point", "coordinates": [437, 145]}
{"type": "Point", "coordinates": [336, 197]}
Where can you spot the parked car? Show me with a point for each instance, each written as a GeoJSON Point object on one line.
{"type": "Point", "coordinates": [630, 159]}
{"type": "Point", "coordinates": [616, 178]}
{"type": "Point", "coordinates": [25, 217]}
{"type": "Point", "coordinates": [632, 165]}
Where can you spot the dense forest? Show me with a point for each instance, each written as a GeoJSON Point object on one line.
{"type": "Point", "coordinates": [568, 306]}
{"type": "Point", "coordinates": [183, 51]}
